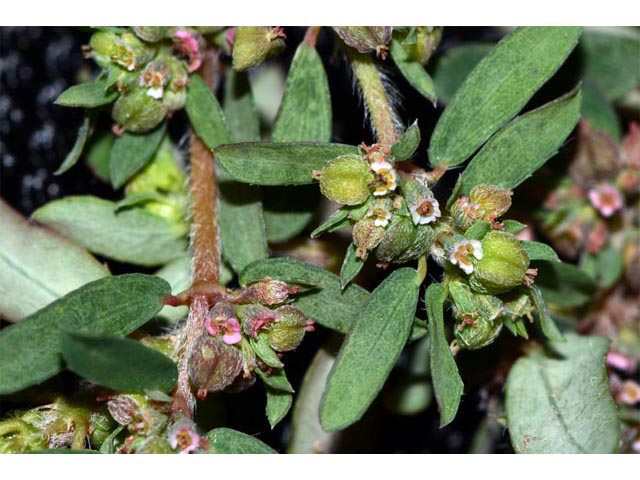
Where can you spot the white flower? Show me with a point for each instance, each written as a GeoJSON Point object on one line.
{"type": "Point", "coordinates": [427, 211]}
{"type": "Point", "coordinates": [381, 216]}
{"type": "Point", "coordinates": [462, 252]}
{"type": "Point", "coordinates": [156, 92]}
{"type": "Point", "coordinates": [385, 178]}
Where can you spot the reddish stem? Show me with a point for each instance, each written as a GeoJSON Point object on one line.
{"type": "Point", "coordinates": [311, 36]}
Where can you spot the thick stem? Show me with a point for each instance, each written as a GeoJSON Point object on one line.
{"type": "Point", "coordinates": [376, 99]}
{"type": "Point", "coordinates": [311, 36]}
{"type": "Point", "coordinates": [205, 243]}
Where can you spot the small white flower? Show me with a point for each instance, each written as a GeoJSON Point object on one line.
{"type": "Point", "coordinates": [462, 252]}
{"type": "Point", "coordinates": [426, 211]}
{"type": "Point", "coordinates": [385, 178]}
{"type": "Point", "coordinates": [381, 216]}
{"type": "Point", "coordinates": [156, 92]}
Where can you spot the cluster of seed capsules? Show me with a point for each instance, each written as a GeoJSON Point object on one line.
{"type": "Point", "coordinates": [396, 217]}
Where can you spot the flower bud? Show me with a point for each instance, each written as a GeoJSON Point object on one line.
{"type": "Point", "coordinates": [268, 292]}
{"type": "Point", "coordinates": [346, 180]}
{"type": "Point", "coordinates": [104, 46]}
{"type": "Point", "coordinates": [477, 314]}
{"type": "Point", "coordinates": [366, 39]}
{"type": "Point", "coordinates": [255, 317]}
{"type": "Point", "coordinates": [403, 241]}
{"type": "Point", "coordinates": [427, 40]}
{"type": "Point", "coordinates": [138, 112]}
{"type": "Point", "coordinates": [367, 235]}
{"type": "Point", "coordinates": [503, 264]}
{"type": "Point", "coordinates": [517, 304]}
{"type": "Point", "coordinates": [493, 202]}
{"type": "Point", "coordinates": [465, 213]}
{"type": "Point", "coordinates": [150, 34]}
{"type": "Point", "coordinates": [132, 53]}
{"type": "Point", "coordinates": [289, 329]}
{"type": "Point", "coordinates": [175, 95]}
{"type": "Point", "coordinates": [213, 365]}
{"type": "Point", "coordinates": [253, 45]}
{"type": "Point", "coordinates": [155, 76]}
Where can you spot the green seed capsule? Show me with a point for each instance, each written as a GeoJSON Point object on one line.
{"type": "Point", "coordinates": [150, 34]}
{"type": "Point", "coordinates": [367, 235]}
{"type": "Point", "coordinates": [104, 46]}
{"type": "Point", "coordinates": [428, 39]}
{"type": "Point", "coordinates": [253, 45]}
{"type": "Point", "coordinates": [346, 180]}
{"type": "Point", "coordinates": [289, 329]}
{"type": "Point", "coordinates": [138, 112]}
{"type": "Point", "coordinates": [366, 39]}
{"type": "Point", "coordinates": [403, 241]}
{"type": "Point", "coordinates": [503, 265]}
{"type": "Point", "coordinates": [493, 201]}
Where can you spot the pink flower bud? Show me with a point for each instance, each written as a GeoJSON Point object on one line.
{"type": "Point", "coordinates": [606, 198]}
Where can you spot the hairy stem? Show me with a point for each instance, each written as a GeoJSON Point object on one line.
{"type": "Point", "coordinates": [311, 36]}
{"type": "Point", "coordinates": [376, 99]}
{"type": "Point", "coordinates": [205, 244]}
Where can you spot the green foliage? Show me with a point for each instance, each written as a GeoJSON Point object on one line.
{"type": "Point", "coordinates": [413, 72]}
{"type": "Point", "coordinates": [88, 95]}
{"type": "Point", "coordinates": [540, 251]}
{"type": "Point", "coordinates": [84, 132]}
{"type": "Point", "coordinates": [278, 405]}
{"type": "Point", "coordinates": [30, 351]}
{"type": "Point", "coordinates": [404, 148]}
{"type": "Point", "coordinates": [559, 402]}
{"type": "Point", "coordinates": [225, 440]}
{"type": "Point", "coordinates": [351, 266]}
{"type": "Point", "coordinates": [564, 284]}
{"type": "Point", "coordinates": [206, 114]}
{"type": "Point", "coordinates": [455, 66]}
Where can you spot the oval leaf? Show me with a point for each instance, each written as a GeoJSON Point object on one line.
{"type": "Point", "coordinates": [118, 363]}
{"type": "Point", "coordinates": [549, 327]}
{"type": "Point", "coordinates": [351, 266]}
{"type": "Point", "coordinates": [74, 155]}
{"type": "Point", "coordinates": [455, 66]}
{"type": "Point", "coordinates": [447, 384]}
{"type": "Point", "coordinates": [413, 72]}
{"type": "Point", "coordinates": [37, 266]}
{"type": "Point", "coordinates": [497, 89]}
{"type": "Point", "coordinates": [564, 284]}
{"type": "Point", "coordinates": [278, 163]}
{"type": "Point", "coordinates": [408, 143]}
{"type": "Point", "coordinates": [225, 440]}
{"type": "Point", "coordinates": [523, 146]}
{"type": "Point", "coordinates": [240, 112]}
{"type": "Point", "coordinates": [370, 350]}
{"type": "Point", "coordinates": [131, 152]}
{"type": "Point", "coordinates": [540, 251]}
{"type": "Point", "coordinates": [88, 95]}
{"type": "Point", "coordinates": [205, 114]}
{"type": "Point", "coordinates": [133, 235]}
{"type": "Point", "coordinates": [278, 405]}
{"type": "Point", "coordinates": [554, 407]}
{"type": "Point", "coordinates": [30, 351]}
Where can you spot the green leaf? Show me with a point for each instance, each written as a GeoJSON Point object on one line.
{"type": "Point", "coordinates": [408, 143]}
{"type": "Point", "coordinates": [549, 327]}
{"type": "Point", "coordinates": [242, 231]}
{"type": "Point", "coordinates": [205, 114]}
{"type": "Point", "coordinates": [131, 152]}
{"type": "Point", "coordinates": [307, 435]}
{"type": "Point", "coordinates": [351, 266]}
{"type": "Point", "coordinates": [98, 153]}
{"type": "Point", "coordinates": [225, 440]}
{"type": "Point", "coordinates": [278, 405]}
{"type": "Point", "coordinates": [134, 235]}
{"type": "Point", "coordinates": [88, 95]}
{"type": "Point", "coordinates": [561, 403]}
{"type": "Point", "coordinates": [498, 88]}
{"type": "Point", "coordinates": [598, 111]}
{"type": "Point", "coordinates": [37, 266]}
{"type": "Point", "coordinates": [30, 351]}
{"type": "Point", "coordinates": [263, 350]}
{"type": "Point", "coordinates": [455, 65]}
{"type": "Point", "coordinates": [327, 304]}
{"type": "Point", "coordinates": [478, 230]}
{"type": "Point", "coordinates": [278, 163]}
{"type": "Point", "coordinates": [288, 210]}
{"type": "Point", "coordinates": [447, 384]}
{"type": "Point", "coordinates": [338, 219]}
{"type": "Point", "coordinates": [513, 226]}
{"type": "Point", "coordinates": [276, 380]}
{"type": "Point", "coordinates": [118, 363]}
{"type": "Point", "coordinates": [74, 155]}
{"type": "Point", "coordinates": [564, 284]}
{"type": "Point", "coordinates": [610, 57]}
{"type": "Point", "coordinates": [608, 266]}
{"type": "Point", "coordinates": [540, 251]}
{"type": "Point", "coordinates": [370, 350]}
{"type": "Point", "coordinates": [109, 444]}
{"type": "Point", "coordinates": [413, 72]}
{"type": "Point", "coordinates": [523, 145]}
{"type": "Point", "coordinates": [239, 111]}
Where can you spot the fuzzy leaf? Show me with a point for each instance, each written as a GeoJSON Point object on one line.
{"type": "Point", "coordinates": [30, 351]}
{"type": "Point", "coordinates": [263, 350]}
{"type": "Point", "coordinates": [408, 143]}
{"type": "Point", "coordinates": [278, 163]}
{"type": "Point", "coordinates": [225, 440]}
{"type": "Point", "coordinates": [447, 384]}
{"type": "Point", "coordinates": [131, 152]}
{"type": "Point", "coordinates": [88, 95]}
{"type": "Point", "coordinates": [454, 67]}
{"type": "Point", "coordinates": [513, 226]}
{"type": "Point", "coordinates": [549, 327]}
{"type": "Point", "coordinates": [564, 284]}
{"type": "Point", "coordinates": [351, 266]}
{"type": "Point", "coordinates": [205, 114]}
{"type": "Point", "coordinates": [118, 363]}
{"type": "Point", "coordinates": [540, 251]}
{"type": "Point", "coordinates": [74, 155]}
{"type": "Point", "coordinates": [239, 110]}
{"type": "Point", "coordinates": [478, 230]}
{"type": "Point", "coordinates": [276, 380]}
{"type": "Point", "coordinates": [606, 267]}
{"type": "Point", "coordinates": [598, 111]}
{"type": "Point", "coordinates": [498, 88]}
{"type": "Point", "coordinates": [523, 145]}
{"type": "Point", "coordinates": [561, 403]}
{"type": "Point", "coordinates": [610, 56]}
{"type": "Point", "coordinates": [38, 266]}
{"type": "Point", "coordinates": [338, 219]}
{"type": "Point", "coordinates": [413, 72]}
{"type": "Point", "coordinates": [98, 153]}
{"type": "Point", "coordinates": [370, 350]}
{"type": "Point", "coordinates": [134, 235]}
{"type": "Point", "coordinates": [278, 405]}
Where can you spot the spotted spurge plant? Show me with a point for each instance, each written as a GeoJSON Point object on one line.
{"type": "Point", "coordinates": [428, 212]}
